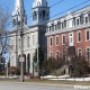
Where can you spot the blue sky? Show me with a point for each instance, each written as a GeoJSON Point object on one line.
{"type": "Point", "coordinates": [66, 4]}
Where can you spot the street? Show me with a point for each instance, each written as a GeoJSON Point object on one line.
{"type": "Point", "coordinates": [32, 86]}
{"type": "Point", "coordinates": [5, 85]}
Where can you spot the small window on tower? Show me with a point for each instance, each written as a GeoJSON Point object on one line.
{"type": "Point", "coordinates": [44, 14]}
{"type": "Point", "coordinates": [13, 22]}
{"type": "Point", "coordinates": [34, 16]}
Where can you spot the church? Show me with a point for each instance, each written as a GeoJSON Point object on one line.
{"type": "Point", "coordinates": [58, 37]}
{"type": "Point", "coordinates": [33, 36]}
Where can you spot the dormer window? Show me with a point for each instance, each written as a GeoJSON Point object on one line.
{"type": "Point", "coordinates": [64, 23]}
{"type": "Point", "coordinates": [59, 25]}
{"type": "Point", "coordinates": [55, 27]}
{"type": "Point", "coordinates": [86, 19]}
{"type": "Point", "coordinates": [81, 19]}
{"type": "Point", "coordinates": [78, 21]}
{"type": "Point", "coordinates": [52, 27]}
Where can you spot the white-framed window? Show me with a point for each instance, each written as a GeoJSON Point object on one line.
{"type": "Point", "coordinates": [86, 19]}
{"type": "Point", "coordinates": [57, 55]}
{"type": "Point", "coordinates": [63, 39]}
{"type": "Point", "coordinates": [78, 21]}
{"type": "Point", "coordinates": [57, 40]}
{"type": "Point", "coordinates": [79, 52]}
{"type": "Point", "coordinates": [51, 41]}
{"type": "Point", "coordinates": [33, 40]}
{"type": "Point", "coordinates": [88, 53]}
{"type": "Point", "coordinates": [51, 54]}
{"type": "Point", "coordinates": [62, 24]}
{"type": "Point", "coordinates": [59, 25]}
{"type": "Point", "coordinates": [71, 39]}
{"type": "Point", "coordinates": [47, 29]}
{"type": "Point", "coordinates": [19, 43]}
{"type": "Point", "coordinates": [79, 36]}
{"type": "Point", "coordinates": [87, 34]}
{"type": "Point", "coordinates": [55, 26]}
{"type": "Point", "coordinates": [34, 15]}
{"type": "Point", "coordinates": [28, 41]}
{"type": "Point", "coordinates": [50, 28]}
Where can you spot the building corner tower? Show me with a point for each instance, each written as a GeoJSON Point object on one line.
{"type": "Point", "coordinates": [40, 12]}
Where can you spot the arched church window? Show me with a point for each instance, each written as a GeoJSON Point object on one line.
{"type": "Point", "coordinates": [34, 16]}
{"type": "Point", "coordinates": [14, 22]}
{"type": "Point", "coordinates": [28, 62]}
{"type": "Point", "coordinates": [24, 55]}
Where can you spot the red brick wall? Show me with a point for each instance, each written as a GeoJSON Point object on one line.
{"type": "Point", "coordinates": [83, 44]}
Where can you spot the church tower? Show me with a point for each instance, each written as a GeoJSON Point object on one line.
{"type": "Point", "coordinates": [19, 11]}
{"type": "Point", "coordinates": [40, 12]}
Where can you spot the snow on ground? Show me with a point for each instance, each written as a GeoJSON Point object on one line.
{"type": "Point", "coordinates": [65, 77]}
{"type": "Point", "coordinates": [55, 77]}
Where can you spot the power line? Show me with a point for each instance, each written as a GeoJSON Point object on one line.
{"type": "Point", "coordinates": [62, 12]}
{"type": "Point", "coordinates": [78, 5]}
{"type": "Point", "coordinates": [30, 32]}
{"type": "Point", "coordinates": [51, 6]}
{"type": "Point", "coordinates": [57, 3]}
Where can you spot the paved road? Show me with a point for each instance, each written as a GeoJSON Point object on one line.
{"type": "Point", "coordinates": [33, 86]}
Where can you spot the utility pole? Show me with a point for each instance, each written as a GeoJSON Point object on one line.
{"type": "Point", "coordinates": [17, 43]}
{"type": "Point", "coordinates": [22, 54]}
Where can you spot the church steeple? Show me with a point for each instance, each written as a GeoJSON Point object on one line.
{"type": "Point", "coordinates": [40, 11]}
{"type": "Point", "coordinates": [19, 11]}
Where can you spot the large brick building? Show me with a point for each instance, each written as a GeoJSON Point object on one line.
{"type": "Point", "coordinates": [69, 34]}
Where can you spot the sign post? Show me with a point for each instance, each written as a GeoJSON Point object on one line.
{"type": "Point", "coordinates": [22, 68]}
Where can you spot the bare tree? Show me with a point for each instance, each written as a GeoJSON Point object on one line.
{"type": "Point", "coordinates": [4, 16]}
